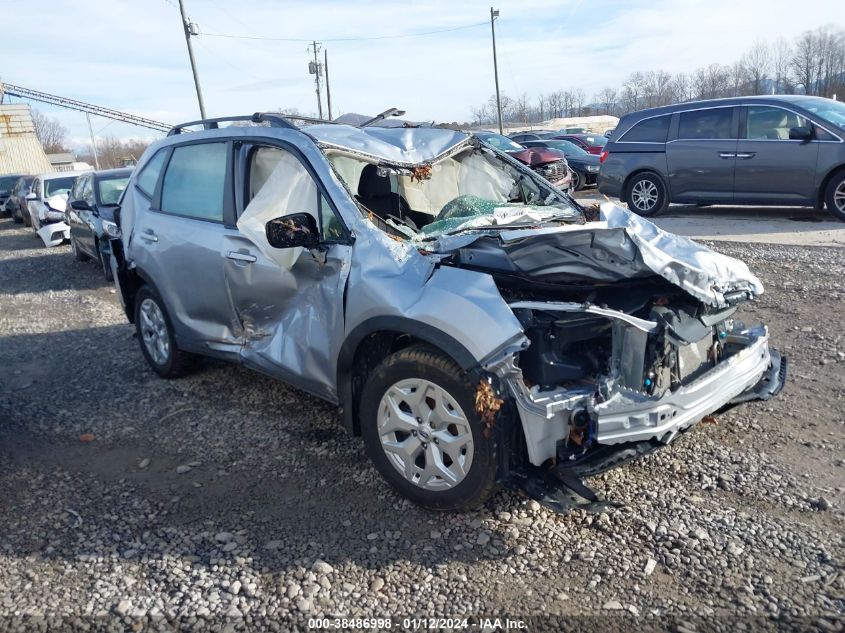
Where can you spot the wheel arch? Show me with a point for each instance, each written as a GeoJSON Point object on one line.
{"type": "Point", "coordinates": [639, 172]}
{"type": "Point", "coordinates": [371, 342]}
{"type": "Point", "coordinates": [821, 193]}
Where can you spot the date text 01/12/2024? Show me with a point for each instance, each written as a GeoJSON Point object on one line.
{"type": "Point", "coordinates": [417, 624]}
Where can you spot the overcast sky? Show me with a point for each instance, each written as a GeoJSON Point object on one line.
{"type": "Point", "coordinates": [130, 54]}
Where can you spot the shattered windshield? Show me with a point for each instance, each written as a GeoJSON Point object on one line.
{"type": "Point", "coordinates": [474, 189]}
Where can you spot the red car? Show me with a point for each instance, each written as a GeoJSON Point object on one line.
{"type": "Point", "coordinates": [593, 143]}
{"type": "Point", "coordinates": [549, 163]}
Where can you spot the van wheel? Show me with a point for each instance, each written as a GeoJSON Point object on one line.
{"type": "Point", "coordinates": [646, 195]}
{"type": "Point", "coordinates": [835, 195]}
{"type": "Point", "coordinates": [422, 433]}
{"type": "Point", "coordinates": [155, 335]}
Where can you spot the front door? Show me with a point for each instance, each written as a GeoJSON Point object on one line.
{"type": "Point", "coordinates": [287, 303]}
{"type": "Point", "coordinates": [183, 246]}
{"type": "Point", "coordinates": [701, 156]}
{"type": "Point", "coordinates": [771, 168]}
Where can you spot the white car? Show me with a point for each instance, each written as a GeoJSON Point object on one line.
{"type": "Point", "coordinates": [46, 206]}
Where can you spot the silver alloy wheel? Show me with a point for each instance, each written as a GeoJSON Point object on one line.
{"type": "Point", "coordinates": [839, 197]}
{"type": "Point", "coordinates": [425, 434]}
{"type": "Point", "coordinates": [576, 180]}
{"type": "Point", "coordinates": [644, 195]}
{"type": "Point", "coordinates": [154, 331]}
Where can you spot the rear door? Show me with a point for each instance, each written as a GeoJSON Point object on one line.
{"type": "Point", "coordinates": [181, 244]}
{"type": "Point", "coordinates": [771, 168]}
{"type": "Point", "coordinates": [701, 155]}
{"type": "Point", "coordinates": [287, 303]}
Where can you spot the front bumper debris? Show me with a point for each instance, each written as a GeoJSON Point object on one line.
{"type": "Point", "coordinates": [54, 234]}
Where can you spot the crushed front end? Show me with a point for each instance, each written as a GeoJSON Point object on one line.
{"type": "Point", "coordinates": [623, 354]}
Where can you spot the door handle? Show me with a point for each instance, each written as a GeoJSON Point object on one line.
{"type": "Point", "coordinates": [149, 235]}
{"type": "Point", "coordinates": [727, 154]}
{"type": "Point", "coordinates": [241, 257]}
{"type": "Point", "coordinates": [746, 155]}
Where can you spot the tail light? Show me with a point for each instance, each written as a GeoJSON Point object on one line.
{"type": "Point", "coordinates": [603, 156]}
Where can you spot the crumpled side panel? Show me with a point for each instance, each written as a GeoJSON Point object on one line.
{"type": "Point", "coordinates": [703, 273]}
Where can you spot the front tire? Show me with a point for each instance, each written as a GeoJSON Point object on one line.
{"type": "Point", "coordinates": [78, 255]}
{"type": "Point", "coordinates": [835, 195]}
{"type": "Point", "coordinates": [646, 195]}
{"type": "Point", "coordinates": [422, 432]}
{"type": "Point", "coordinates": [155, 335]}
{"type": "Point", "coordinates": [105, 263]}
{"type": "Point", "coordinates": [577, 181]}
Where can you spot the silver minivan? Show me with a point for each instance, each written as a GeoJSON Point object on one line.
{"type": "Point", "coordinates": [471, 324]}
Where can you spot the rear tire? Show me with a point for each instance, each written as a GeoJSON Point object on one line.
{"type": "Point", "coordinates": [835, 195]}
{"type": "Point", "coordinates": [423, 434]}
{"type": "Point", "coordinates": [646, 195]}
{"type": "Point", "coordinates": [155, 336]}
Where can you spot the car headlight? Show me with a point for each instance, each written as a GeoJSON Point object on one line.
{"type": "Point", "coordinates": [111, 229]}
{"type": "Point", "coordinates": [593, 168]}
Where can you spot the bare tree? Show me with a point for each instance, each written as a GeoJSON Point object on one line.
{"type": "Point", "coordinates": [781, 56]}
{"type": "Point", "coordinates": [578, 101]}
{"type": "Point", "coordinates": [805, 60]}
{"type": "Point", "coordinates": [607, 98]}
{"type": "Point", "coordinates": [756, 64]}
{"type": "Point", "coordinates": [51, 133]}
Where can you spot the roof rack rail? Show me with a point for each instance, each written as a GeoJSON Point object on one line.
{"type": "Point", "coordinates": [274, 119]}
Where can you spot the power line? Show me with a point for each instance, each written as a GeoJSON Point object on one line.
{"type": "Point", "coordinates": [344, 39]}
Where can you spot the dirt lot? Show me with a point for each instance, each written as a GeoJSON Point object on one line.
{"type": "Point", "coordinates": [229, 500]}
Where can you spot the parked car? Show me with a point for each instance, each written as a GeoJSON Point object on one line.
{"type": "Point", "coordinates": [16, 204]}
{"type": "Point", "coordinates": [46, 203]}
{"type": "Point", "coordinates": [592, 143]}
{"type": "Point", "coordinates": [90, 215]}
{"type": "Point", "coordinates": [584, 166]}
{"type": "Point", "coordinates": [550, 164]}
{"type": "Point", "coordinates": [469, 322]}
{"type": "Point", "coordinates": [784, 150]}
{"type": "Point", "coordinates": [7, 183]}
{"type": "Point", "coordinates": [535, 135]}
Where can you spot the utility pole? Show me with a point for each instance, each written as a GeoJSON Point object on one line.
{"type": "Point", "coordinates": [328, 90]}
{"type": "Point", "coordinates": [316, 68]}
{"type": "Point", "coordinates": [494, 13]}
{"type": "Point", "coordinates": [93, 143]}
{"type": "Point", "coordinates": [191, 29]}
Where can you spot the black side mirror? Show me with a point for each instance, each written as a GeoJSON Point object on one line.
{"type": "Point", "coordinates": [803, 133]}
{"type": "Point", "coordinates": [80, 205]}
{"type": "Point", "coordinates": [290, 231]}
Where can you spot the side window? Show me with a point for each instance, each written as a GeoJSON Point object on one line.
{"type": "Point", "coordinates": [195, 180]}
{"type": "Point", "coordinates": [712, 123]}
{"type": "Point", "coordinates": [652, 130]}
{"type": "Point", "coordinates": [823, 135]}
{"type": "Point", "coordinates": [771, 123]}
{"type": "Point", "coordinates": [279, 183]}
{"type": "Point", "coordinates": [148, 177]}
{"type": "Point", "coordinates": [87, 190]}
{"type": "Point", "coordinates": [75, 190]}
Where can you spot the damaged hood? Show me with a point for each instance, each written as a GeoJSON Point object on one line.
{"type": "Point", "coordinates": [621, 245]}
{"type": "Point", "coordinates": [399, 146]}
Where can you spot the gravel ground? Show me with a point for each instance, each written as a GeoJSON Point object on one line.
{"type": "Point", "coordinates": [229, 500]}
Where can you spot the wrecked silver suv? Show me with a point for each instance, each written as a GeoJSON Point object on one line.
{"type": "Point", "coordinates": [470, 322]}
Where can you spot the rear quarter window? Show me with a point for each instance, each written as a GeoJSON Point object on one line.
{"type": "Point", "coordinates": [653, 130]}
{"type": "Point", "coordinates": [148, 177]}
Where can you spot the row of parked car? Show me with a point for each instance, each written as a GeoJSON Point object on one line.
{"type": "Point", "coordinates": [74, 206]}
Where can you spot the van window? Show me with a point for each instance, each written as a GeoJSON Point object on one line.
{"type": "Point", "coordinates": [771, 123]}
{"type": "Point", "coordinates": [148, 177]}
{"type": "Point", "coordinates": [712, 123]}
{"type": "Point", "coordinates": [653, 130]}
{"type": "Point", "coordinates": [195, 180]}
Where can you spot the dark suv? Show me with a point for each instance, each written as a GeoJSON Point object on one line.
{"type": "Point", "coordinates": [777, 150]}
